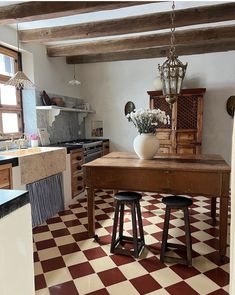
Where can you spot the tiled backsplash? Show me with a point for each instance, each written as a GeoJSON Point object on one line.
{"type": "Point", "coordinates": [66, 125]}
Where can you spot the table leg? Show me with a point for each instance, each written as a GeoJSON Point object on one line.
{"type": "Point", "coordinates": [213, 210]}
{"type": "Point", "coordinates": [223, 225]}
{"type": "Point", "coordinates": [115, 191]}
{"type": "Point", "coordinates": [91, 211]}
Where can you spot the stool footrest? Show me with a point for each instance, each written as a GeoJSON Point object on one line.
{"type": "Point", "coordinates": [177, 246]}
{"type": "Point", "coordinates": [131, 239]}
{"type": "Point", "coordinates": [176, 260]}
{"type": "Point", "coordinates": [123, 240]}
{"type": "Point", "coordinates": [177, 202]}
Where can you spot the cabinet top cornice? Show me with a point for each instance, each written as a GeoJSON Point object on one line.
{"type": "Point", "coordinates": [196, 91]}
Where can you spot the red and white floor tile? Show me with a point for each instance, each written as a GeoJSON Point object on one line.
{"type": "Point", "coordinates": [67, 262]}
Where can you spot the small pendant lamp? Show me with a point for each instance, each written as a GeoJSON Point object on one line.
{"type": "Point", "coordinates": [20, 80]}
{"type": "Point", "coordinates": [74, 82]}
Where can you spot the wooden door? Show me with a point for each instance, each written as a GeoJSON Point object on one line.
{"type": "Point", "coordinates": [184, 134]}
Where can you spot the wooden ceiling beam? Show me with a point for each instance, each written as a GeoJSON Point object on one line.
{"type": "Point", "coordinates": [182, 37]}
{"type": "Point", "coordinates": [134, 24]}
{"type": "Point", "coordinates": [40, 10]}
{"type": "Point", "coordinates": [152, 53]}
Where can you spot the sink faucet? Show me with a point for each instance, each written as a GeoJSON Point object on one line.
{"type": "Point", "coordinates": [6, 143]}
{"type": "Point", "coordinates": [21, 141]}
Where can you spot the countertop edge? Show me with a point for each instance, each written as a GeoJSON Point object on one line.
{"type": "Point", "coordinates": [15, 199]}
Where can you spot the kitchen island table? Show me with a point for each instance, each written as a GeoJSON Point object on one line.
{"type": "Point", "coordinates": [192, 175]}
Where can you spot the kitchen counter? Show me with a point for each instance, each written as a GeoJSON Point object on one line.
{"type": "Point", "coordinates": [36, 163]}
{"type": "Point", "coordinates": [11, 200]}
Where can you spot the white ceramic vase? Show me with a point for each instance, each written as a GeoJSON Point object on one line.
{"type": "Point", "coordinates": [146, 145]}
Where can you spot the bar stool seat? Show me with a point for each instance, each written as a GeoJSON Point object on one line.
{"type": "Point", "coordinates": [117, 245]}
{"type": "Point", "coordinates": [177, 202]}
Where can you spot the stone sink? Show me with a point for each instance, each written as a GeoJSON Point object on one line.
{"type": "Point", "coordinates": [28, 151]}
{"type": "Point", "coordinates": [38, 162]}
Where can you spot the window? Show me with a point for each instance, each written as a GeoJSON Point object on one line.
{"type": "Point", "coordinates": [10, 97]}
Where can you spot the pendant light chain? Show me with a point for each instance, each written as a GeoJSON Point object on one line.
{"type": "Point", "coordinates": [172, 46]}
{"type": "Point", "coordinates": [18, 41]}
{"type": "Point", "coordinates": [74, 76]}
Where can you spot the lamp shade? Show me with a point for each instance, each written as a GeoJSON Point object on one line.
{"type": "Point", "coordinates": [74, 82]}
{"type": "Point", "coordinates": [20, 81]}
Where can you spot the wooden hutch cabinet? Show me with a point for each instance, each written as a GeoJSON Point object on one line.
{"type": "Point", "coordinates": [184, 133]}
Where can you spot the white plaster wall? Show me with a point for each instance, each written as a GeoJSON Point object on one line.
{"type": "Point", "coordinates": [108, 86]}
{"type": "Point", "coordinates": [50, 74]}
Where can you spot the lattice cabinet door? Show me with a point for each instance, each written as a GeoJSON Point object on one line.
{"type": "Point", "coordinates": [165, 133]}
{"type": "Point", "coordinates": [184, 134]}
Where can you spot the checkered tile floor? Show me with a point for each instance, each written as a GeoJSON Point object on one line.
{"type": "Point", "coordinates": [67, 262]}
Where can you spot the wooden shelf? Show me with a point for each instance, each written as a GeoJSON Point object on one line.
{"type": "Point", "coordinates": [48, 108]}
{"type": "Point", "coordinates": [54, 111]}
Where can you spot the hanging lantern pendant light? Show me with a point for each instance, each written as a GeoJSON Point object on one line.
{"type": "Point", "coordinates": [172, 71]}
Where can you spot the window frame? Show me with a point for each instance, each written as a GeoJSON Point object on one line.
{"type": "Point", "coordinates": [12, 108]}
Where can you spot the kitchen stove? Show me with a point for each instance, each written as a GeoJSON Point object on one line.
{"type": "Point", "coordinates": [93, 148]}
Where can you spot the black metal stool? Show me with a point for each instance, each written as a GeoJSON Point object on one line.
{"type": "Point", "coordinates": [132, 199]}
{"type": "Point", "coordinates": [177, 202]}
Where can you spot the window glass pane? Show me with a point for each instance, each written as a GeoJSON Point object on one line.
{"type": "Point", "coordinates": [6, 65]}
{"type": "Point", "coordinates": [8, 95]}
{"type": "Point", "coordinates": [10, 123]}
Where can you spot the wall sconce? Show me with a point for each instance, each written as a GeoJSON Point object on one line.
{"type": "Point", "coordinates": [230, 106]}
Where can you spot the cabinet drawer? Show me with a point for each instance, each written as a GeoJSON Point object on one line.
{"type": "Point", "coordinates": [195, 182]}
{"type": "Point", "coordinates": [77, 177]}
{"type": "Point", "coordinates": [77, 159]}
{"type": "Point", "coordinates": [5, 178]}
{"type": "Point", "coordinates": [189, 136]}
{"type": "Point", "coordinates": [77, 184]}
{"type": "Point", "coordinates": [77, 188]}
{"type": "Point", "coordinates": [77, 166]}
{"type": "Point", "coordinates": [163, 135]}
{"type": "Point", "coordinates": [189, 150]}
{"type": "Point", "coordinates": [77, 154]}
{"type": "Point", "coordinates": [164, 149]}
{"type": "Point", "coordinates": [4, 175]}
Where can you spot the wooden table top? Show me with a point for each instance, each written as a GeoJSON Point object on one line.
{"type": "Point", "coordinates": [213, 163]}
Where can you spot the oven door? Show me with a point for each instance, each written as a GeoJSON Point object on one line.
{"type": "Point", "coordinates": [92, 156]}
